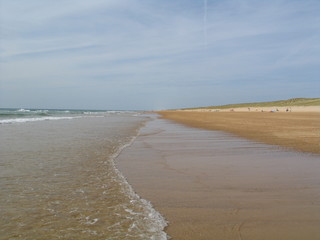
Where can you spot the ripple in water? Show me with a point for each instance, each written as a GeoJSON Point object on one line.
{"type": "Point", "coordinates": [59, 181]}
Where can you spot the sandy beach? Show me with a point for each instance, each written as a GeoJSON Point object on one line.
{"type": "Point", "coordinates": [214, 185]}
{"type": "Point", "coordinates": [297, 130]}
{"type": "Point", "coordinates": [304, 109]}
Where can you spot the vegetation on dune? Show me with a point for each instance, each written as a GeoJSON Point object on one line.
{"type": "Point", "coordinates": [282, 103]}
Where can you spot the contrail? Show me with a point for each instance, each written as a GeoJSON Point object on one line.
{"type": "Point", "coordinates": [205, 33]}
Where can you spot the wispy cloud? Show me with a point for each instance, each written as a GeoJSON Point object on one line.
{"type": "Point", "coordinates": [158, 47]}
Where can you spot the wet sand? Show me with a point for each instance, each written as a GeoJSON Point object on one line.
{"type": "Point", "coordinates": [297, 130]}
{"type": "Point", "coordinates": [213, 185]}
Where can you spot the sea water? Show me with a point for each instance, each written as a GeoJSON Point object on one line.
{"type": "Point", "coordinates": [58, 177]}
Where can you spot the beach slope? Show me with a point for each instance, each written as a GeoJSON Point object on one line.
{"type": "Point", "coordinates": [297, 130]}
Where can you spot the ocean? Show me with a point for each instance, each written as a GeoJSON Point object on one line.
{"type": "Point", "coordinates": [59, 180]}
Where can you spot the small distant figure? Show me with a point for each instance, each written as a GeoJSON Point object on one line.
{"type": "Point", "coordinates": [287, 110]}
{"type": "Point", "coordinates": [277, 110]}
{"type": "Point", "coordinates": [249, 109]}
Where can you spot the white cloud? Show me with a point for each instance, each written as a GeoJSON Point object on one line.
{"type": "Point", "coordinates": [157, 45]}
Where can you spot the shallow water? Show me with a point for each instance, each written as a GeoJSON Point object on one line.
{"type": "Point", "coordinates": [58, 181]}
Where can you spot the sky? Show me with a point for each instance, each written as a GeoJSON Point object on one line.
{"type": "Point", "coordinates": [157, 54]}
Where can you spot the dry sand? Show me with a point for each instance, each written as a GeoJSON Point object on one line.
{"type": "Point", "coordinates": [262, 109]}
{"type": "Point", "coordinates": [298, 130]}
{"type": "Point", "coordinates": [213, 185]}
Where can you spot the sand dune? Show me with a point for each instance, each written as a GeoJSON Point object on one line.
{"type": "Point", "coordinates": [260, 109]}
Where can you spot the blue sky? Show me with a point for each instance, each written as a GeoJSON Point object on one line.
{"type": "Point", "coordinates": [157, 54]}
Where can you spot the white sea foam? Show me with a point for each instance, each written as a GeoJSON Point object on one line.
{"type": "Point", "coordinates": [106, 112]}
{"type": "Point", "coordinates": [23, 120]}
{"type": "Point", "coordinates": [156, 222]}
{"type": "Point", "coordinates": [91, 221]}
{"type": "Point", "coordinates": [23, 110]}
{"type": "Point", "coordinates": [91, 113]}
{"type": "Point", "coordinates": [41, 111]}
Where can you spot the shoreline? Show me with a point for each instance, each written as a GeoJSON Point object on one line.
{"type": "Point", "coordinates": [296, 130]}
{"type": "Point", "coordinates": [210, 184]}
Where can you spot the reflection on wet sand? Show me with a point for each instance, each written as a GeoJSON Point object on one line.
{"type": "Point", "coordinates": [212, 185]}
